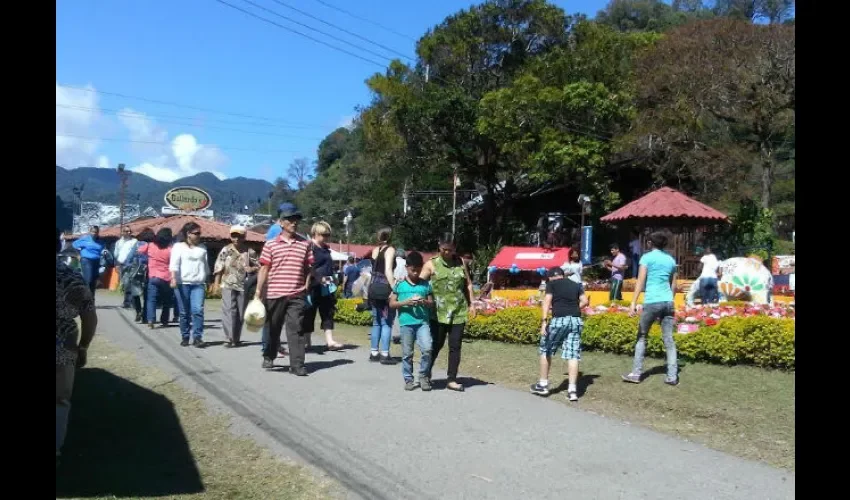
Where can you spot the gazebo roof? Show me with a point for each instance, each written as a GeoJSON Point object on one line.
{"type": "Point", "coordinates": [210, 230]}
{"type": "Point", "coordinates": [665, 203]}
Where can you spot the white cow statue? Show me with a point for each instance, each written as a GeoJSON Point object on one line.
{"type": "Point", "coordinates": [744, 278]}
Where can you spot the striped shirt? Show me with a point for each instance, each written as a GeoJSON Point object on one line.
{"type": "Point", "coordinates": [288, 262]}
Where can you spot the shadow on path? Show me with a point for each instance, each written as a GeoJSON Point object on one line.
{"type": "Point", "coordinates": [123, 441]}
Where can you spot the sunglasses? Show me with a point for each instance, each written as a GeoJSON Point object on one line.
{"type": "Point", "coordinates": [237, 235]}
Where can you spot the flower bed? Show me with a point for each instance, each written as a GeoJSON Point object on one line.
{"type": "Point", "coordinates": [740, 334]}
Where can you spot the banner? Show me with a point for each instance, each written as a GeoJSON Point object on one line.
{"type": "Point", "coordinates": [586, 245]}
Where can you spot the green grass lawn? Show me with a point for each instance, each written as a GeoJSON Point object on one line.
{"type": "Point", "coordinates": [134, 433]}
{"type": "Point", "coordinates": [745, 411]}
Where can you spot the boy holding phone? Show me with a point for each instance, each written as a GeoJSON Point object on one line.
{"type": "Point", "coordinates": [412, 297]}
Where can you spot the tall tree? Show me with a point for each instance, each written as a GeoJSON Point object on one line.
{"type": "Point", "coordinates": [717, 100]}
{"type": "Point", "coordinates": [300, 172]}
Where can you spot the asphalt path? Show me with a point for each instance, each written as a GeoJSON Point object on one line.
{"type": "Point", "coordinates": [351, 421]}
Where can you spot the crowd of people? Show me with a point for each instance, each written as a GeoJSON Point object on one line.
{"type": "Point", "coordinates": [295, 279]}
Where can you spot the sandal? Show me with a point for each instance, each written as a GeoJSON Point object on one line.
{"type": "Point", "coordinates": [335, 346]}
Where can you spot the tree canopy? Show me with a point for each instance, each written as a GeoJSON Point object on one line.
{"type": "Point", "coordinates": [516, 95]}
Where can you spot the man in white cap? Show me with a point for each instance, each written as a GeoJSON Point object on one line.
{"type": "Point", "coordinates": [234, 262]}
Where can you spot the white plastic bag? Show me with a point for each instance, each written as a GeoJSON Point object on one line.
{"type": "Point", "coordinates": [255, 315]}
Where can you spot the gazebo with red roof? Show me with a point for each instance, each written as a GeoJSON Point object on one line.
{"type": "Point", "coordinates": [666, 208]}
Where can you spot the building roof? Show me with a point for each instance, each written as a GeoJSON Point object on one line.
{"type": "Point", "coordinates": [665, 203]}
{"type": "Point", "coordinates": [210, 230]}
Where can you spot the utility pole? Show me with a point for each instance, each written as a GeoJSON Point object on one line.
{"type": "Point", "coordinates": [123, 174]}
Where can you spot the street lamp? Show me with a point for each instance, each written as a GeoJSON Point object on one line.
{"type": "Point", "coordinates": [347, 222]}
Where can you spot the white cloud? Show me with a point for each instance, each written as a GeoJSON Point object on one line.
{"type": "Point", "coordinates": [186, 157]}
{"type": "Point", "coordinates": [77, 117]}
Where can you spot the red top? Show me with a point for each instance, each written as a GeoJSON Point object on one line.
{"type": "Point", "coordinates": [289, 261]}
{"type": "Point", "coordinates": [158, 259]}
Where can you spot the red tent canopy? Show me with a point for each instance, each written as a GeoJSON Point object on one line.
{"type": "Point", "coordinates": [530, 258]}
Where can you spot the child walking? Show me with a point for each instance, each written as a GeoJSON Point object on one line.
{"type": "Point", "coordinates": [412, 297]}
{"type": "Point", "coordinates": [566, 299]}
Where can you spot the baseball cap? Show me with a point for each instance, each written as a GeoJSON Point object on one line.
{"type": "Point", "coordinates": [555, 271]}
{"type": "Point", "coordinates": [238, 229]}
{"type": "Point", "coordinates": [287, 210]}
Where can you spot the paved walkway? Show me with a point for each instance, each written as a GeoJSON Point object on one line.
{"type": "Point", "coordinates": [352, 421]}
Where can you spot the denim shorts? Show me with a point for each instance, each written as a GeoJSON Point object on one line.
{"type": "Point", "coordinates": [563, 332]}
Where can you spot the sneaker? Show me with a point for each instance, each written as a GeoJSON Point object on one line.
{"type": "Point", "coordinates": [540, 390]}
{"type": "Point", "coordinates": [572, 396]}
{"type": "Point", "coordinates": [632, 378]}
{"type": "Point", "coordinates": [374, 358]}
{"type": "Point", "coordinates": [138, 317]}
{"type": "Point", "coordinates": [268, 363]}
{"type": "Point", "coordinates": [184, 342]}
{"type": "Point", "coordinates": [672, 381]}
{"type": "Point", "coordinates": [200, 344]}
{"type": "Point", "coordinates": [228, 344]}
{"type": "Point", "coordinates": [425, 383]}
{"type": "Point", "coordinates": [386, 360]}
{"type": "Point", "coordinates": [301, 372]}
{"type": "Point", "coordinates": [410, 385]}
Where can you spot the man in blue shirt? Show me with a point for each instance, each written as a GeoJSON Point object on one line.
{"type": "Point", "coordinates": [351, 273]}
{"type": "Point", "coordinates": [656, 276]}
{"type": "Point", "coordinates": [90, 248]}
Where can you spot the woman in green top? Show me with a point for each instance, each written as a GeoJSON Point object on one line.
{"type": "Point", "coordinates": [452, 288]}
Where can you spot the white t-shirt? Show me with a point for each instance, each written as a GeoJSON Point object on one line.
{"type": "Point", "coordinates": [575, 269]}
{"type": "Point", "coordinates": [189, 263]}
{"type": "Point", "coordinates": [710, 264]}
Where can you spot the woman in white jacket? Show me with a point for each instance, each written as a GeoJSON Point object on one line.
{"type": "Point", "coordinates": [189, 271]}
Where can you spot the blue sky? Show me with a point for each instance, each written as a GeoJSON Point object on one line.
{"type": "Point", "coordinates": [203, 54]}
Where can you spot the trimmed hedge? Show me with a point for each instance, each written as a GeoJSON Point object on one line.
{"type": "Point", "coordinates": [759, 340]}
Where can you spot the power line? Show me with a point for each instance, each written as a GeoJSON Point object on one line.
{"type": "Point", "coordinates": [189, 124]}
{"type": "Point", "coordinates": [170, 103]}
{"type": "Point", "coordinates": [287, 28]}
{"type": "Point", "coordinates": [224, 148]}
{"type": "Point", "coordinates": [311, 16]}
{"type": "Point", "coordinates": [332, 37]}
{"type": "Point", "coordinates": [190, 118]}
{"type": "Point", "coordinates": [359, 18]}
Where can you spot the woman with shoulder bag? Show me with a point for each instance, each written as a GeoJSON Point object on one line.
{"type": "Point", "coordinates": [322, 292]}
{"type": "Point", "coordinates": [379, 291]}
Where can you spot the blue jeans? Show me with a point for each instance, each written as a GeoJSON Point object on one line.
{"type": "Point", "coordinates": [91, 272]}
{"type": "Point", "coordinates": [708, 290]}
{"type": "Point", "coordinates": [159, 291]}
{"type": "Point", "coordinates": [421, 334]}
{"type": "Point", "coordinates": [382, 327]}
{"type": "Point", "coordinates": [190, 304]}
{"type": "Point", "coordinates": [665, 313]}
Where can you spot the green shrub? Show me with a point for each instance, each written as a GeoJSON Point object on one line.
{"type": "Point", "coordinates": [759, 340]}
{"type": "Point", "coordinates": [346, 312]}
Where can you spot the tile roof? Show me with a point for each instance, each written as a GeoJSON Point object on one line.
{"type": "Point", "coordinates": [210, 230]}
{"type": "Point", "coordinates": [665, 203]}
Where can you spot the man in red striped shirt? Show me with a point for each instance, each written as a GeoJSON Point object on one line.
{"type": "Point", "coordinates": [284, 277]}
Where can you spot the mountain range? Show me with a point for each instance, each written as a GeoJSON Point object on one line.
{"type": "Point", "coordinates": [103, 185]}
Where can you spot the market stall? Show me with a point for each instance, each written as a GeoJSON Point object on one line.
{"type": "Point", "coordinates": [524, 267]}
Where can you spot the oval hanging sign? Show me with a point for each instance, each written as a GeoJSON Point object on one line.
{"type": "Point", "coordinates": [190, 199]}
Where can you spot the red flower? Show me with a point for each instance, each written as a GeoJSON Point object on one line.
{"type": "Point", "coordinates": [710, 322]}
